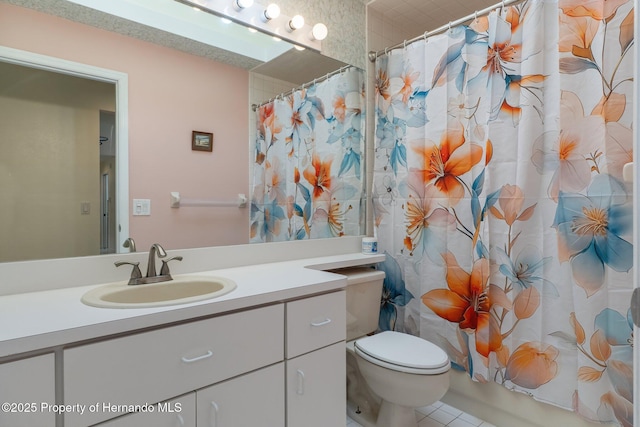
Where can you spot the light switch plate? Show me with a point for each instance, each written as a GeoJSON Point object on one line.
{"type": "Point", "coordinates": [141, 207]}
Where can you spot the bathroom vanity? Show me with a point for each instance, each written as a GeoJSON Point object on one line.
{"type": "Point", "coordinates": [270, 353]}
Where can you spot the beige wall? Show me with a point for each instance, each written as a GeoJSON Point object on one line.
{"type": "Point", "coordinates": [49, 165]}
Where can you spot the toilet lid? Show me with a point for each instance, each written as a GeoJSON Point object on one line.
{"type": "Point", "coordinates": [404, 350]}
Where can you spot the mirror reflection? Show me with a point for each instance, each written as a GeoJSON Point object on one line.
{"type": "Point", "coordinates": [171, 94]}
{"type": "Point", "coordinates": [57, 179]}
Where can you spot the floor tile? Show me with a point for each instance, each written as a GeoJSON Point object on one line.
{"type": "Point", "coordinates": [428, 422]}
{"type": "Point", "coordinates": [426, 410]}
{"type": "Point", "coordinates": [459, 422]}
{"type": "Point", "coordinates": [441, 416]}
{"type": "Point", "coordinates": [450, 410]}
{"type": "Point", "coordinates": [471, 419]}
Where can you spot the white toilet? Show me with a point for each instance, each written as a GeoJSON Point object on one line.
{"type": "Point", "coordinates": [389, 374]}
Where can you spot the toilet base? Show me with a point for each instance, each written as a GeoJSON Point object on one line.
{"type": "Point", "coordinates": [390, 415]}
{"type": "Point", "coordinates": [361, 416]}
{"type": "Point", "coordinates": [396, 415]}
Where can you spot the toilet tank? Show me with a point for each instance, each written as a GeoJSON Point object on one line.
{"type": "Point", "coordinates": [364, 290]}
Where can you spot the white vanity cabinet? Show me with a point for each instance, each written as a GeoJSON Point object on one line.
{"type": "Point", "coordinates": [178, 412]}
{"type": "Point", "coordinates": [316, 361]}
{"type": "Point", "coordinates": [25, 386]}
{"type": "Point", "coordinates": [154, 366]}
{"type": "Point", "coordinates": [254, 399]}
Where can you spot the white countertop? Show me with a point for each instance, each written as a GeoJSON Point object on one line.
{"type": "Point", "coordinates": [40, 320]}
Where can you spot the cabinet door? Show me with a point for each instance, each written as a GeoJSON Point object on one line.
{"type": "Point", "coordinates": [178, 412]}
{"type": "Point", "coordinates": [255, 399]}
{"type": "Point", "coordinates": [28, 386]}
{"type": "Point", "coordinates": [316, 388]}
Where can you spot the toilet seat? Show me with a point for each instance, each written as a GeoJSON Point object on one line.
{"type": "Point", "coordinates": [403, 353]}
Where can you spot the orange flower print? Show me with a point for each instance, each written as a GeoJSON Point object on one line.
{"type": "Point", "coordinates": [382, 84]}
{"type": "Point", "coordinates": [467, 303]}
{"type": "Point", "coordinates": [268, 125]}
{"type": "Point", "coordinates": [403, 85]}
{"type": "Point", "coordinates": [577, 35]}
{"type": "Point", "coordinates": [596, 9]}
{"type": "Point", "coordinates": [576, 143]}
{"type": "Point", "coordinates": [444, 164]}
{"type": "Point", "coordinates": [532, 365]}
{"type": "Point", "coordinates": [339, 108]}
{"type": "Point", "coordinates": [511, 200]}
{"type": "Point", "coordinates": [427, 224]}
{"type": "Point", "coordinates": [274, 182]}
{"type": "Point", "coordinates": [337, 217]}
{"type": "Point", "coordinates": [319, 175]}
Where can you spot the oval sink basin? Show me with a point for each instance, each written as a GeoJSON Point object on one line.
{"type": "Point", "coordinates": [180, 290]}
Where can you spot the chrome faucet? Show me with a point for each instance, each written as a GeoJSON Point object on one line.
{"type": "Point", "coordinates": [155, 251]}
{"type": "Point", "coordinates": [151, 264]}
{"type": "Point", "coordinates": [129, 243]}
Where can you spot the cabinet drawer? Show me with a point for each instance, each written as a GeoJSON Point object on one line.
{"type": "Point", "coordinates": [28, 385]}
{"type": "Point", "coordinates": [157, 365]}
{"type": "Point", "coordinates": [176, 412]}
{"type": "Point", "coordinates": [255, 399]}
{"type": "Point", "coordinates": [315, 322]}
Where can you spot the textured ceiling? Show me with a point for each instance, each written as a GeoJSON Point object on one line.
{"type": "Point", "coordinates": [418, 16]}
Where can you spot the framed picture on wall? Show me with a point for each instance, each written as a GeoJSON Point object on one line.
{"type": "Point", "coordinates": [201, 141]}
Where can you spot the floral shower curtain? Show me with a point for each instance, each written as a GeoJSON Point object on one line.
{"type": "Point", "coordinates": [499, 199]}
{"type": "Point", "coordinates": [308, 170]}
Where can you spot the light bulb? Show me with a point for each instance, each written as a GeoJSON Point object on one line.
{"type": "Point", "coordinates": [243, 4]}
{"type": "Point", "coordinates": [319, 32]}
{"type": "Point", "coordinates": [272, 12]}
{"type": "Point", "coordinates": [296, 23]}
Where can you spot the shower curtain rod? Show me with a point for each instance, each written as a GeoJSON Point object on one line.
{"type": "Point", "coordinates": [374, 55]}
{"type": "Point", "coordinates": [254, 107]}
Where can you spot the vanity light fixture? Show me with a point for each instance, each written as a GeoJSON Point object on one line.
{"type": "Point", "coordinates": [267, 19]}
{"type": "Point", "coordinates": [271, 12]}
{"type": "Point", "coordinates": [243, 4]}
{"type": "Point", "coordinates": [319, 32]}
{"type": "Point", "coordinates": [296, 23]}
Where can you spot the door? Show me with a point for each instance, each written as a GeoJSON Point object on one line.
{"type": "Point", "coordinates": [316, 388]}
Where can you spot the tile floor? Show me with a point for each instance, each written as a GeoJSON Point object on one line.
{"type": "Point", "coordinates": [440, 415]}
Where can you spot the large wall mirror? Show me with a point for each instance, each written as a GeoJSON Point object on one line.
{"type": "Point", "coordinates": [67, 195]}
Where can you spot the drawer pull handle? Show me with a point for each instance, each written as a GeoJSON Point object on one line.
{"type": "Point", "coordinates": [324, 322]}
{"type": "Point", "coordinates": [195, 359]}
{"type": "Point", "coordinates": [300, 389]}
{"type": "Point", "coordinates": [215, 408]}
{"type": "Point", "coordinates": [180, 419]}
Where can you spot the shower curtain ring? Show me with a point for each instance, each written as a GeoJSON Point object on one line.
{"type": "Point", "coordinates": [449, 26]}
{"type": "Point", "coordinates": [425, 35]}
{"type": "Point", "coordinates": [386, 50]}
{"type": "Point", "coordinates": [475, 16]}
{"type": "Point", "coordinates": [405, 44]}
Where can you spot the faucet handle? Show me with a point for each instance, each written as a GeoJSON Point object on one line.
{"type": "Point", "coordinates": [164, 271]}
{"type": "Point", "coordinates": [135, 273]}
